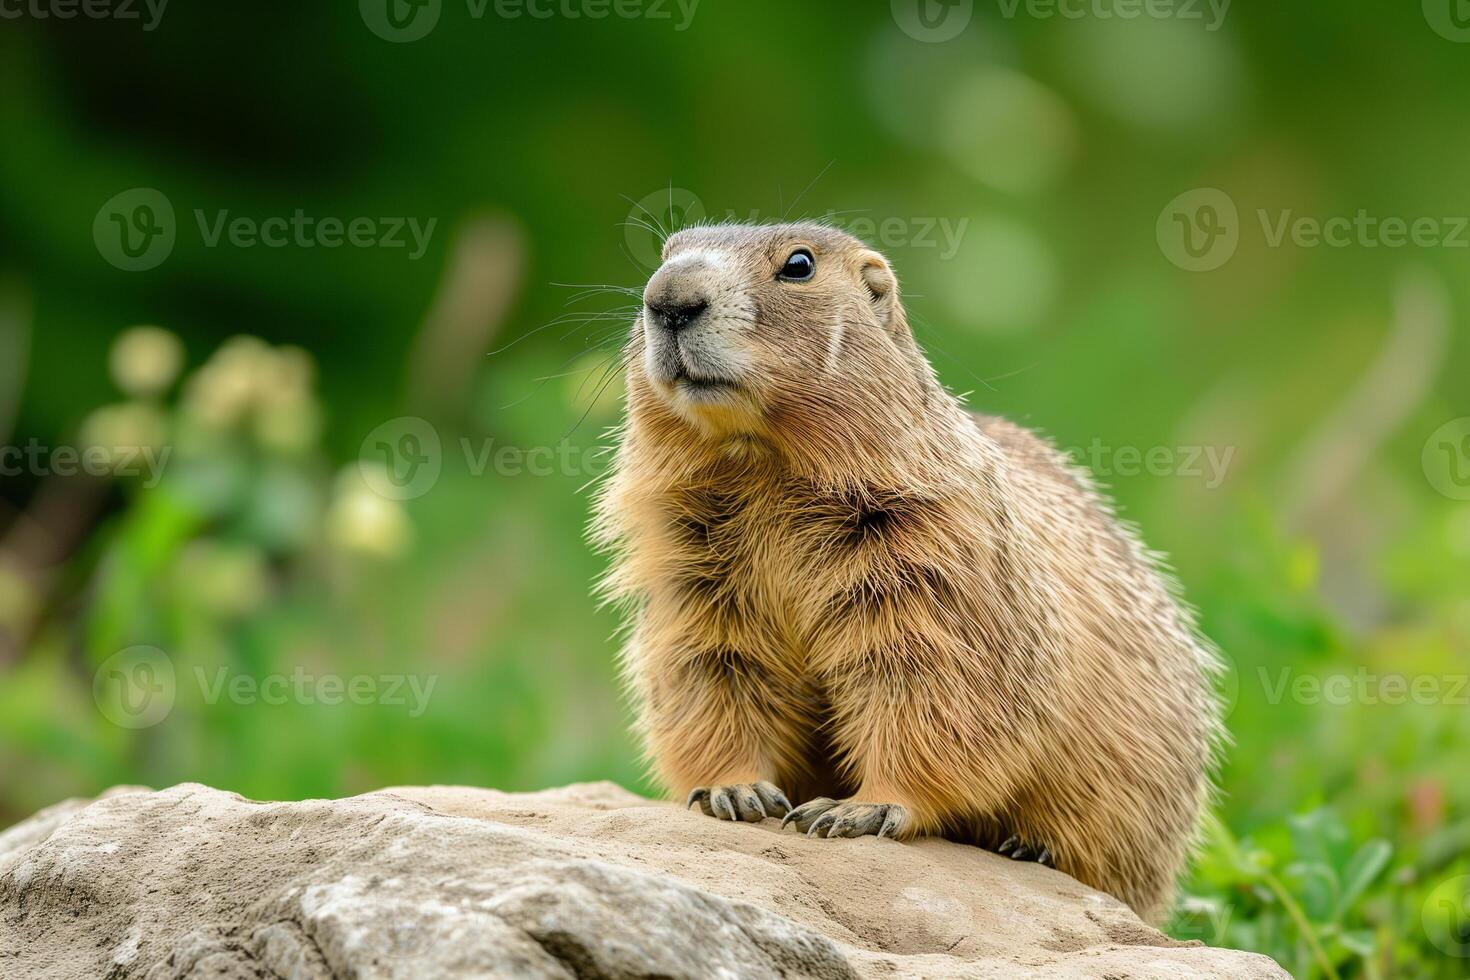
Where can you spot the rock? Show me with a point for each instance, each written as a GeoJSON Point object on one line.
{"type": "Point", "coordinates": [588, 882]}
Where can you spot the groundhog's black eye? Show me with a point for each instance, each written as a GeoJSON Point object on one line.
{"type": "Point", "coordinates": [799, 267]}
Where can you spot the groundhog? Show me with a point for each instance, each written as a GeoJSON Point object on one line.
{"type": "Point", "coordinates": [847, 591]}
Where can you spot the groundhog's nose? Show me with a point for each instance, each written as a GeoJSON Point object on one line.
{"type": "Point", "coordinates": [677, 294]}
{"type": "Point", "coordinates": [674, 314]}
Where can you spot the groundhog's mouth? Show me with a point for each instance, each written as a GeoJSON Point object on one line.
{"type": "Point", "coordinates": [693, 385]}
{"type": "Point", "coordinates": [692, 377]}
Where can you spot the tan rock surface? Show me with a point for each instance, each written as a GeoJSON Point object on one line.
{"type": "Point", "coordinates": [589, 881]}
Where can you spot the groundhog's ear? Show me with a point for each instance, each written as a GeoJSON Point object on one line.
{"type": "Point", "coordinates": [882, 286]}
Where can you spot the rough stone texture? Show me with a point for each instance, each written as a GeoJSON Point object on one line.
{"type": "Point", "coordinates": [588, 881]}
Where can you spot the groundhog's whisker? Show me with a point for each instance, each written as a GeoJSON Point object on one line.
{"type": "Point", "coordinates": [596, 289]}
{"type": "Point", "coordinates": [607, 377]}
{"type": "Point", "coordinates": [658, 229]}
{"type": "Point", "coordinates": [618, 317]}
{"type": "Point", "coordinates": [805, 190]}
{"type": "Point", "coordinates": [543, 380]}
{"type": "Point", "coordinates": [930, 342]}
{"type": "Point", "coordinates": [640, 223]}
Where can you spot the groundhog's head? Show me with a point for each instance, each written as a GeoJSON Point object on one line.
{"type": "Point", "coordinates": [776, 332]}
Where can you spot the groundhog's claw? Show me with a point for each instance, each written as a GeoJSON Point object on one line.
{"type": "Point", "coordinates": [750, 802]}
{"type": "Point", "coordinates": [803, 815]}
{"type": "Point", "coordinates": [824, 817]}
{"type": "Point", "coordinates": [1017, 850]}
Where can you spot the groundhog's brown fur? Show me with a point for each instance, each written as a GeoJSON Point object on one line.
{"type": "Point", "coordinates": [845, 585]}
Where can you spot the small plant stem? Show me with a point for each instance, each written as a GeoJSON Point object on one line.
{"type": "Point", "coordinates": [1294, 910]}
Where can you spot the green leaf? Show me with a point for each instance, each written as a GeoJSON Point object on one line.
{"type": "Point", "coordinates": [1319, 836]}
{"type": "Point", "coordinates": [1368, 863]}
{"type": "Point", "coordinates": [1318, 888]}
{"type": "Point", "coordinates": [1359, 941]}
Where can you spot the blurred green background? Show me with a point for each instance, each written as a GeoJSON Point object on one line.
{"type": "Point", "coordinates": [1103, 224]}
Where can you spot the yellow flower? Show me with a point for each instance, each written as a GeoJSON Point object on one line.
{"type": "Point", "coordinates": [288, 425]}
{"type": "Point", "coordinates": [146, 360]}
{"type": "Point", "coordinates": [361, 521]}
{"type": "Point", "coordinates": [267, 390]}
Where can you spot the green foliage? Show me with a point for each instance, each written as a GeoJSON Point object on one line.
{"type": "Point", "coordinates": [1340, 843]}
{"type": "Point", "coordinates": [1324, 903]}
{"type": "Point", "coordinates": [251, 558]}
{"type": "Point", "coordinates": [1303, 906]}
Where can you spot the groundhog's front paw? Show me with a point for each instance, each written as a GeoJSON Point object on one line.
{"type": "Point", "coordinates": [824, 817]}
{"type": "Point", "coordinates": [751, 802]}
